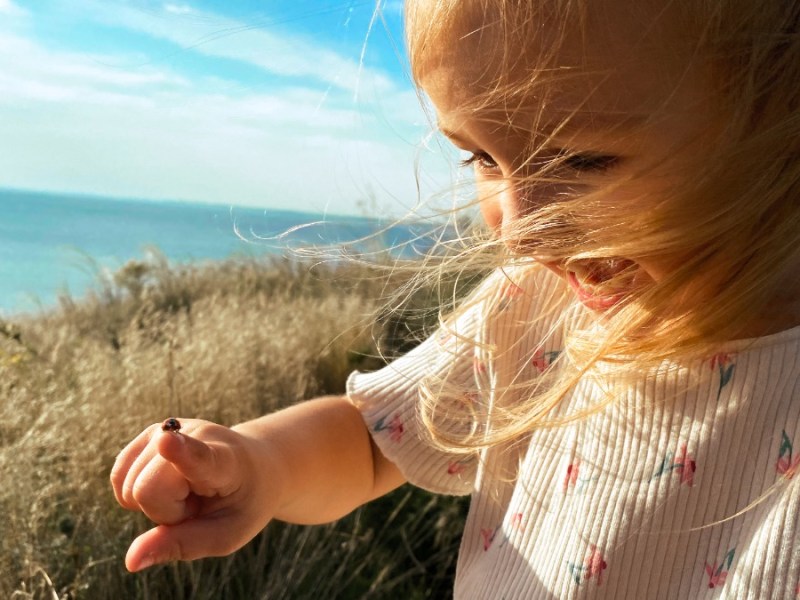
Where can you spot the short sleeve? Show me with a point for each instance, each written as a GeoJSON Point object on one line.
{"type": "Point", "coordinates": [389, 398]}
{"type": "Point", "coordinates": [496, 343]}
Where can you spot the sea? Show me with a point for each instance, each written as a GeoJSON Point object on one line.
{"type": "Point", "coordinates": [57, 244]}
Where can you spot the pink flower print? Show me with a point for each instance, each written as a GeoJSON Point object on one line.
{"type": "Point", "coordinates": [683, 464]}
{"type": "Point", "coordinates": [718, 573]}
{"type": "Point", "coordinates": [515, 524]}
{"type": "Point", "coordinates": [595, 565]}
{"type": "Point", "coordinates": [573, 480]}
{"type": "Point", "coordinates": [686, 466]}
{"type": "Point", "coordinates": [512, 290]}
{"type": "Point", "coordinates": [457, 467]}
{"type": "Point", "coordinates": [787, 464]}
{"type": "Point", "coordinates": [478, 366]}
{"type": "Point", "coordinates": [469, 398]}
{"type": "Point", "coordinates": [720, 359]}
{"type": "Point", "coordinates": [723, 362]}
{"type": "Point", "coordinates": [395, 428]}
{"type": "Point", "coordinates": [539, 361]}
{"type": "Point", "coordinates": [542, 360]}
{"type": "Point", "coordinates": [443, 337]}
{"type": "Point", "coordinates": [592, 566]}
{"type": "Point", "coordinates": [786, 467]}
{"type": "Point", "coordinates": [488, 536]}
{"type": "Point", "coordinates": [508, 294]}
{"type": "Point", "coordinates": [572, 474]}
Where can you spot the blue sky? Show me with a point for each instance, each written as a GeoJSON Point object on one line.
{"type": "Point", "coordinates": [254, 102]}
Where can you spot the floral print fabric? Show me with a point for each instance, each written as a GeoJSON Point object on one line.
{"type": "Point", "coordinates": [683, 488]}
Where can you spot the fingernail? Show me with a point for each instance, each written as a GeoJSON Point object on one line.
{"type": "Point", "coordinates": [175, 434]}
{"type": "Point", "coordinates": [147, 562]}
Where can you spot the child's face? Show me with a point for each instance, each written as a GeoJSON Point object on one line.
{"type": "Point", "coordinates": [631, 103]}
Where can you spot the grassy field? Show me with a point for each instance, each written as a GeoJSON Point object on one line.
{"type": "Point", "coordinates": [225, 342]}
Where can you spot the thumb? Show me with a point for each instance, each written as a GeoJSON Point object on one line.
{"type": "Point", "coordinates": [190, 540]}
{"type": "Point", "coordinates": [210, 468]}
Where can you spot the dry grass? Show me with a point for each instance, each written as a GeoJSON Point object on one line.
{"type": "Point", "coordinates": [226, 342]}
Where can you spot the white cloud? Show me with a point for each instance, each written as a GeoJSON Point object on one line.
{"type": "Point", "coordinates": [10, 9]}
{"type": "Point", "coordinates": [254, 43]}
{"type": "Point", "coordinates": [178, 9]}
{"type": "Point", "coordinates": [29, 71]}
{"type": "Point", "coordinates": [72, 121]}
{"type": "Point", "coordinates": [208, 152]}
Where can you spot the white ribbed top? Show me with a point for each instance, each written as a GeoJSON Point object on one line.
{"type": "Point", "coordinates": [612, 506]}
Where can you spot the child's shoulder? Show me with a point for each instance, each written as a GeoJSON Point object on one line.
{"type": "Point", "coordinates": [787, 339]}
{"type": "Point", "coordinates": [526, 279]}
{"type": "Point", "coordinates": [525, 301]}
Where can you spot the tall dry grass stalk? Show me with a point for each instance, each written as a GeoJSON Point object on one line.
{"type": "Point", "coordinates": [222, 341]}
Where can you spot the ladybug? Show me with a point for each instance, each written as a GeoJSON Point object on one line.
{"type": "Point", "coordinates": [171, 424]}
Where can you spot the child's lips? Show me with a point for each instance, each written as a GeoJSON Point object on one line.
{"type": "Point", "coordinates": [589, 297]}
{"type": "Point", "coordinates": [587, 279]}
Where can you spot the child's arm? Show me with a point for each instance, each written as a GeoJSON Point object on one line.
{"type": "Point", "coordinates": [212, 488]}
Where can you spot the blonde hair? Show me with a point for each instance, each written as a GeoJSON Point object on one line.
{"type": "Point", "coordinates": [735, 214]}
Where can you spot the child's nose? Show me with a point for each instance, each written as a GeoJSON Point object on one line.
{"type": "Point", "coordinates": [499, 203]}
{"type": "Point", "coordinates": [520, 198]}
{"type": "Point", "coordinates": [504, 201]}
{"type": "Point", "coordinates": [492, 213]}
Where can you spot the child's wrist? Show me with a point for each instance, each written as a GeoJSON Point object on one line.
{"type": "Point", "coordinates": [265, 471]}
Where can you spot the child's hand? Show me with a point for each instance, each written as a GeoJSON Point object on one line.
{"type": "Point", "coordinates": [212, 489]}
{"type": "Point", "coordinates": [201, 486]}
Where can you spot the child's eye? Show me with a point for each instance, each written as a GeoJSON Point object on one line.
{"type": "Point", "coordinates": [482, 160]}
{"type": "Point", "coordinates": [589, 162]}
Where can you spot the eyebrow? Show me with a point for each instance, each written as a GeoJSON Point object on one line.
{"type": "Point", "coordinates": [604, 123]}
{"type": "Point", "coordinates": [452, 135]}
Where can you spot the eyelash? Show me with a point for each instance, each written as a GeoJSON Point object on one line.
{"type": "Point", "coordinates": [479, 159]}
{"type": "Point", "coordinates": [596, 163]}
{"type": "Point", "coordinates": [582, 163]}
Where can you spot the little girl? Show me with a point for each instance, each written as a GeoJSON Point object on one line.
{"type": "Point", "coordinates": [621, 397]}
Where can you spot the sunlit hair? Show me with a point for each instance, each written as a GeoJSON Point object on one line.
{"type": "Point", "coordinates": [733, 213]}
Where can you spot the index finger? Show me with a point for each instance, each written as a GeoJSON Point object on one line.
{"type": "Point", "coordinates": [125, 460]}
{"type": "Point", "coordinates": [209, 467]}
